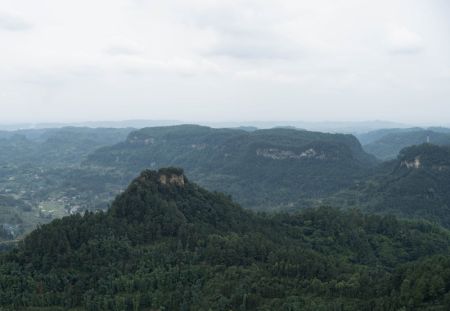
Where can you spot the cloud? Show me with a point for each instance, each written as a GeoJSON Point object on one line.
{"type": "Point", "coordinates": [249, 31]}
{"type": "Point", "coordinates": [404, 41]}
{"type": "Point", "coordinates": [122, 50]}
{"type": "Point", "coordinates": [314, 59]}
{"type": "Point", "coordinates": [13, 23]}
{"type": "Point", "coordinates": [178, 66]}
{"type": "Point", "coordinates": [248, 48]}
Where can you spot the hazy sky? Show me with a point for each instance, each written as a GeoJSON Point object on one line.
{"type": "Point", "coordinates": [77, 60]}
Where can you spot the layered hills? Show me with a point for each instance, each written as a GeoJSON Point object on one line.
{"type": "Point", "coordinates": [41, 177]}
{"type": "Point", "coordinates": [386, 144]}
{"type": "Point", "coordinates": [281, 168]}
{"type": "Point", "coordinates": [415, 185]}
{"type": "Point", "coordinates": [168, 244]}
{"type": "Point", "coordinates": [260, 168]}
{"type": "Point", "coordinates": [55, 146]}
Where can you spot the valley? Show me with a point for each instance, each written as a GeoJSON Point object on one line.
{"type": "Point", "coordinates": [266, 170]}
{"type": "Point", "coordinates": [192, 155]}
{"type": "Point", "coordinates": [322, 220]}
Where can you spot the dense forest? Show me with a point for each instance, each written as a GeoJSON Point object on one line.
{"type": "Point", "coordinates": [168, 244]}
{"type": "Point", "coordinates": [50, 173]}
{"type": "Point", "coordinates": [386, 144]}
{"type": "Point", "coordinates": [213, 155]}
{"type": "Point", "coordinates": [261, 169]}
{"type": "Point", "coordinates": [414, 186]}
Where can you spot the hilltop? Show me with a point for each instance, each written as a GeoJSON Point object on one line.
{"type": "Point", "coordinates": [166, 243]}
{"type": "Point", "coordinates": [415, 185]}
{"type": "Point", "coordinates": [386, 144]}
{"type": "Point", "coordinates": [259, 168]}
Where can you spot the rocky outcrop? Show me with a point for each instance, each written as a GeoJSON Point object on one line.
{"type": "Point", "coordinates": [172, 179]}
{"type": "Point", "coordinates": [279, 154]}
{"type": "Point", "coordinates": [136, 140]}
{"type": "Point", "coordinates": [412, 164]}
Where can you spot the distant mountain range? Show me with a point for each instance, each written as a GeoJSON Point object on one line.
{"type": "Point", "coordinates": [386, 144]}
{"type": "Point", "coordinates": [64, 146]}
{"type": "Point", "coordinates": [325, 126]}
{"type": "Point", "coordinates": [51, 173]}
{"type": "Point", "coordinates": [340, 229]}
{"type": "Point", "coordinates": [261, 168]}
{"type": "Point", "coordinates": [90, 124]}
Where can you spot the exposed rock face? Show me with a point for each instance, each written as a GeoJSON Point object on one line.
{"type": "Point", "coordinates": [412, 164]}
{"type": "Point", "coordinates": [278, 154]}
{"type": "Point", "coordinates": [141, 141]}
{"type": "Point", "coordinates": [172, 179]}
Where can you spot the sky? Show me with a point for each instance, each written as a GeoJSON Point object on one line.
{"type": "Point", "coordinates": [222, 60]}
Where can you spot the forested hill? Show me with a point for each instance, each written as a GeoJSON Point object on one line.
{"type": "Point", "coordinates": [415, 185]}
{"type": "Point", "coordinates": [387, 144]}
{"type": "Point", "coordinates": [56, 146]}
{"type": "Point", "coordinates": [261, 168]}
{"type": "Point", "coordinates": [167, 244]}
{"type": "Point", "coordinates": [373, 136]}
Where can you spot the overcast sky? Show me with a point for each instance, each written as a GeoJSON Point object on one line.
{"type": "Point", "coordinates": [198, 60]}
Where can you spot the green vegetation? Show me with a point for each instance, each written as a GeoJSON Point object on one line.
{"type": "Point", "coordinates": [387, 144]}
{"type": "Point", "coordinates": [55, 147]}
{"type": "Point", "coordinates": [58, 172]}
{"type": "Point", "coordinates": [261, 169]}
{"type": "Point", "coordinates": [167, 244]}
{"type": "Point", "coordinates": [372, 136]}
{"type": "Point", "coordinates": [414, 186]}
{"type": "Point", "coordinates": [41, 177]}
{"type": "Point", "coordinates": [47, 174]}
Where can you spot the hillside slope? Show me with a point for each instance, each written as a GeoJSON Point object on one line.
{"type": "Point", "coordinates": [168, 244]}
{"type": "Point", "coordinates": [41, 177]}
{"type": "Point", "coordinates": [262, 168]}
{"type": "Point", "coordinates": [372, 136]}
{"type": "Point", "coordinates": [55, 147]}
{"type": "Point", "coordinates": [415, 185]}
{"type": "Point", "coordinates": [388, 144]}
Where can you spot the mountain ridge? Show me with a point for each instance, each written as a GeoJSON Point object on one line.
{"type": "Point", "coordinates": [239, 162]}
{"type": "Point", "coordinates": [386, 144]}
{"type": "Point", "coordinates": [412, 186]}
{"type": "Point", "coordinates": [173, 245]}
